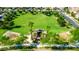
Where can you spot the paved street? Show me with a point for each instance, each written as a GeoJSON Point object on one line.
{"type": "Point", "coordinates": [70, 19]}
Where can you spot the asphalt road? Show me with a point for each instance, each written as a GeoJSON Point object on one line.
{"type": "Point", "coordinates": [70, 19]}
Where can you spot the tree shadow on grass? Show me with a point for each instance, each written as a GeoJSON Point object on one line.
{"type": "Point", "coordinates": [18, 26]}
{"type": "Point", "coordinates": [10, 28]}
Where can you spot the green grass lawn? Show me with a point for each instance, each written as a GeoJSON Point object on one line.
{"type": "Point", "coordinates": [40, 22]}
{"type": "Point", "coordinates": [1, 32]}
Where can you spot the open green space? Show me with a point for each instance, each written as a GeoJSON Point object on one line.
{"type": "Point", "coordinates": [1, 32]}
{"type": "Point", "coordinates": [40, 21]}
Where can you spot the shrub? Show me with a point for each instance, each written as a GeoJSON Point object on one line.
{"type": "Point", "coordinates": [61, 22]}
{"type": "Point", "coordinates": [48, 12]}
{"type": "Point", "coordinates": [19, 40]}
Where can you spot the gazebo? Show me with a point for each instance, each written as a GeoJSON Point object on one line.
{"type": "Point", "coordinates": [38, 34]}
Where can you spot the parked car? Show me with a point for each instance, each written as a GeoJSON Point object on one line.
{"type": "Point", "coordinates": [70, 46]}
{"type": "Point", "coordinates": [58, 46]}
{"type": "Point", "coordinates": [77, 46]}
{"type": "Point", "coordinates": [33, 44]}
{"type": "Point", "coordinates": [18, 46]}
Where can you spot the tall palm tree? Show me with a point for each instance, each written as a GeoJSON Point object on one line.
{"type": "Point", "coordinates": [31, 27]}
{"type": "Point", "coordinates": [48, 28]}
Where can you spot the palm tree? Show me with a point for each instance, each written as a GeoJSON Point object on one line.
{"type": "Point", "coordinates": [48, 28]}
{"type": "Point", "coordinates": [31, 27]}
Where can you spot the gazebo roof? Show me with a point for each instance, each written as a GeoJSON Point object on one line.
{"type": "Point", "coordinates": [39, 30]}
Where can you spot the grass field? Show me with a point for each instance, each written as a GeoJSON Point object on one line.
{"type": "Point", "coordinates": [40, 22]}
{"type": "Point", "coordinates": [2, 31]}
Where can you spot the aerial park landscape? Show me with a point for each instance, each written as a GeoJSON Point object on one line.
{"type": "Point", "coordinates": [39, 28]}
